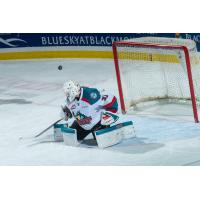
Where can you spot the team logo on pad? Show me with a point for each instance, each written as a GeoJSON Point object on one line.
{"type": "Point", "coordinates": [93, 95]}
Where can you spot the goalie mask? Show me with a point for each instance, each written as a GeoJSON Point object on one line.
{"type": "Point", "coordinates": [71, 90]}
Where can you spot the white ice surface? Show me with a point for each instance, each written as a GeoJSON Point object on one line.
{"type": "Point", "coordinates": [30, 98]}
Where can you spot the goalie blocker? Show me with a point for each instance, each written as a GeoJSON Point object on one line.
{"type": "Point", "coordinates": [104, 137]}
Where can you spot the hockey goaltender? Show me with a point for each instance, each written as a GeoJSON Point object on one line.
{"type": "Point", "coordinates": [88, 110]}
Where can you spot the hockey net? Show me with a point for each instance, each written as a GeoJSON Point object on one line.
{"type": "Point", "coordinates": [157, 71]}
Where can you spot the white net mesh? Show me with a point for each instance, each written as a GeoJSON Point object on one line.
{"type": "Point", "coordinates": [156, 74]}
{"type": "Point", "coordinates": [190, 44]}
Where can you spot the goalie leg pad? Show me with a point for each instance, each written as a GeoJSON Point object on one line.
{"type": "Point", "coordinates": [58, 136]}
{"type": "Point", "coordinates": [70, 136]}
{"type": "Point", "coordinates": [63, 133]}
{"type": "Point", "coordinates": [114, 134]}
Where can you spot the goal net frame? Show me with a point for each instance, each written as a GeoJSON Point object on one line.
{"type": "Point", "coordinates": [157, 46]}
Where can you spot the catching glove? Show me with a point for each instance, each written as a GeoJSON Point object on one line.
{"type": "Point", "coordinates": [67, 113]}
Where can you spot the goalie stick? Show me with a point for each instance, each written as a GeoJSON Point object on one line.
{"type": "Point", "coordinates": [68, 115]}
{"type": "Point", "coordinates": [42, 132]}
{"type": "Point", "coordinates": [46, 129]}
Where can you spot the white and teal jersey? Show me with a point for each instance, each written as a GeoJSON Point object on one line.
{"type": "Point", "coordinates": [88, 109]}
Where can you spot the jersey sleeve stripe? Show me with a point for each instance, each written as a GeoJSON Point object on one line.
{"type": "Point", "coordinates": [84, 99]}
{"type": "Point", "coordinates": [111, 103]}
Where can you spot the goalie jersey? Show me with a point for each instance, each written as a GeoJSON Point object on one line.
{"type": "Point", "coordinates": [88, 109]}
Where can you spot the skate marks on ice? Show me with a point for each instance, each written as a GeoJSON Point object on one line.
{"type": "Point", "coordinates": [194, 163]}
{"type": "Point", "coordinates": [14, 101]}
{"type": "Point", "coordinates": [31, 142]}
{"type": "Point", "coordinates": [88, 143]}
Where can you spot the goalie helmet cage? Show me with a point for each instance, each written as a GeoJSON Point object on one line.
{"type": "Point", "coordinates": [182, 48]}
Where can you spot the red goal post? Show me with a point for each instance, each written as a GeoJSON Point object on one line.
{"type": "Point", "coordinates": [115, 46]}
